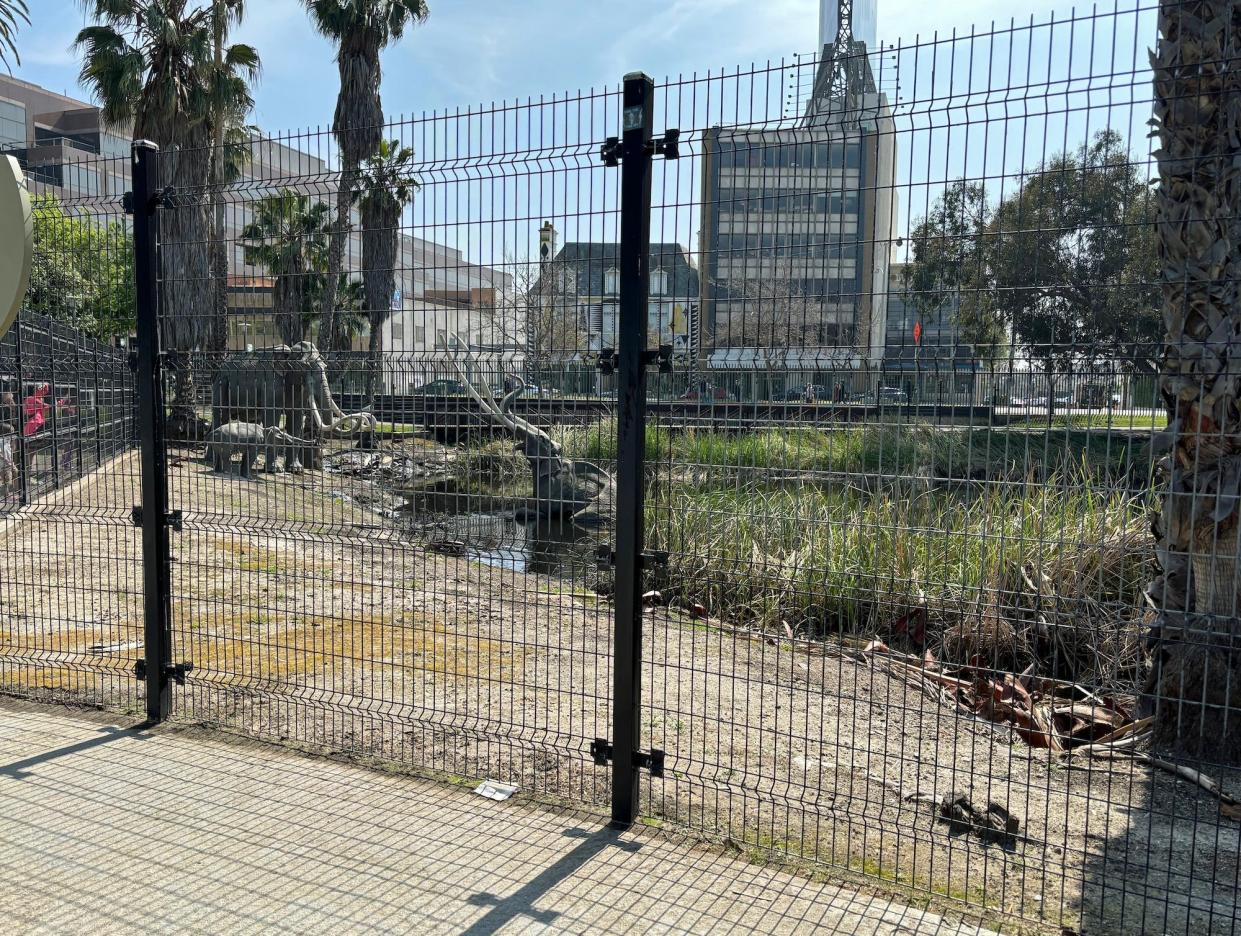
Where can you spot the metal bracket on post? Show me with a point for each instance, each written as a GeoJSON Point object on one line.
{"type": "Point", "coordinates": [607, 361]}
{"type": "Point", "coordinates": [601, 752]}
{"type": "Point", "coordinates": [176, 672]}
{"type": "Point", "coordinates": [669, 145]}
{"type": "Point", "coordinates": [610, 151]}
{"type": "Point", "coordinates": [661, 358]}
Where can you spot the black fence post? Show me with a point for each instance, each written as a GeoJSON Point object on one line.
{"type": "Point", "coordinates": [635, 227]}
{"type": "Point", "coordinates": [22, 451]}
{"type": "Point", "coordinates": [156, 572]}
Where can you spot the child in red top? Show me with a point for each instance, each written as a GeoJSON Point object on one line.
{"type": "Point", "coordinates": [34, 410]}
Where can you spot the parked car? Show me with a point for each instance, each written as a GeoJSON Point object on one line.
{"type": "Point", "coordinates": [442, 387]}
{"type": "Point", "coordinates": [893, 395]}
{"type": "Point", "coordinates": [809, 393]}
{"type": "Point", "coordinates": [705, 391]}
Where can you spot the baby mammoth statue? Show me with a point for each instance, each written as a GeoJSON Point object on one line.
{"type": "Point", "coordinates": [247, 439]}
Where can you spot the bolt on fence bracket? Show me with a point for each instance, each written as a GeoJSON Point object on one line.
{"type": "Point", "coordinates": [601, 753]}
{"type": "Point", "coordinates": [608, 361]}
{"type": "Point", "coordinates": [159, 199]}
{"type": "Point", "coordinates": [610, 151]}
{"type": "Point", "coordinates": [661, 357]}
{"type": "Point", "coordinates": [668, 146]}
{"type": "Point", "coordinates": [172, 671]}
{"type": "Point", "coordinates": [172, 519]}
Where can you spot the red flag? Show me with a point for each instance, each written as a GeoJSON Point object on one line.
{"type": "Point", "coordinates": [917, 333]}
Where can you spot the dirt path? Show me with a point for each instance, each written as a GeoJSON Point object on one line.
{"type": "Point", "coordinates": [309, 619]}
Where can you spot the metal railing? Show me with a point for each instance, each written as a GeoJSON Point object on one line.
{"type": "Point", "coordinates": [772, 562]}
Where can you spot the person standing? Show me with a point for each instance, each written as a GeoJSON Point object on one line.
{"type": "Point", "coordinates": [34, 419]}
{"type": "Point", "coordinates": [10, 481]}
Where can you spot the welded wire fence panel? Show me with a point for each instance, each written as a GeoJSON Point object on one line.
{"type": "Point", "coordinates": [70, 562]}
{"type": "Point", "coordinates": [905, 467]}
{"type": "Point", "coordinates": [411, 571]}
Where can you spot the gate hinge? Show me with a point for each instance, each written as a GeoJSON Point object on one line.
{"type": "Point", "coordinates": [174, 671]}
{"type": "Point", "coordinates": [605, 558]}
{"type": "Point", "coordinates": [172, 519]}
{"type": "Point", "coordinates": [608, 361]}
{"type": "Point", "coordinates": [654, 559]}
{"type": "Point", "coordinates": [668, 146]}
{"type": "Point", "coordinates": [601, 753]}
{"type": "Point", "coordinates": [662, 357]}
{"type": "Point", "coordinates": [158, 200]}
{"type": "Point", "coordinates": [610, 152]}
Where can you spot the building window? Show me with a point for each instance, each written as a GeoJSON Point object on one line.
{"type": "Point", "coordinates": [611, 281]}
{"type": "Point", "coordinates": [441, 339]}
{"type": "Point", "coordinates": [659, 283]}
{"type": "Point", "coordinates": [420, 335]}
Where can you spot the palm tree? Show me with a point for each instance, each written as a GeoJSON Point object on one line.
{"type": "Point", "coordinates": [351, 320]}
{"type": "Point", "coordinates": [150, 65]}
{"type": "Point", "coordinates": [386, 186]}
{"type": "Point", "coordinates": [1195, 684]}
{"type": "Point", "coordinates": [288, 237]}
{"type": "Point", "coordinates": [229, 103]}
{"type": "Point", "coordinates": [10, 12]}
{"type": "Point", "coordinates": [361, 29]}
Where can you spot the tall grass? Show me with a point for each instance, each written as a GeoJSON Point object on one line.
{"type": "Point", "coordinates": [887, 450]}
{"type": "Point", "coordinates": [838, 560]}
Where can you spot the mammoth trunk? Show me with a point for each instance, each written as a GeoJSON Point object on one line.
{"type": "Point", "coordinates": [562, 488]}
{"type": "Point", "coordinates": [1195, 683]}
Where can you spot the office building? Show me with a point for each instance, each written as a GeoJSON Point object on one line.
{"type": "Point", "coordinates": [797, 224]}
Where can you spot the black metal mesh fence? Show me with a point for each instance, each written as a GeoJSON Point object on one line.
{"type": "Point", "coordinates": [905, 438]}
{"type": "Point", "coordinates": [70, 563]}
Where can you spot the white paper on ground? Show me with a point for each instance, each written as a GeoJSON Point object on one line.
{"type": "Point", "coordinates": [495, 790]}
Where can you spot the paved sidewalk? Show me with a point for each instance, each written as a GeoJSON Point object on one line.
{"type": "Point", "coordinates": [109, 830]}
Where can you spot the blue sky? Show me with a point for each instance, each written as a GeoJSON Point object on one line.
{"type": "Point", "coordinates": [482, 51]}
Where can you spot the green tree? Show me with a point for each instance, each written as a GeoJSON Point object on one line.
{"type": "Point", "coordinates": [1072, 258]}
{"type": "Point", "coordinates": [288, 237]}
{"type": "Point", "coordinates": [82, 272]}
{"type": "Point", "coordinates": [10, 12]}
{"type": "Point", "coordinates": [229, 102]}
{"type": "Point", "coordinates": [361, 29]}
{"type": "Point", "coordinates": [151, 66]}
{"type": "Point", "coordinates": [1067, 262]}
{"type": "Point", "coordinates": [949, 269]}
{"type": "Point", "coordinates": [386, 186]}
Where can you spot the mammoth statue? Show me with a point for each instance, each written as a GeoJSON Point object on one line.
{"type": "Point", "coordinates": [248, 440]}
{"type": "Point", "coordinates": [288, 381]}
{"type": "Point", "coordinates": [563, 487]}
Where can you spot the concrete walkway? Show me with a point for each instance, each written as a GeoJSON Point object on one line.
{"type": "Point", "coordinates": [106, 829]}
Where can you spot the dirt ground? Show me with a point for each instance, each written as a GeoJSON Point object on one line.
{"type": "Point", "coordinates": [311, 619]}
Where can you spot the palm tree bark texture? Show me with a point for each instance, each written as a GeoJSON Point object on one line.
{"type": "Point", "coordinates": [1194, 687]}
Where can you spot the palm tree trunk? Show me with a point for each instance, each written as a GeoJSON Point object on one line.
{"type": "Point", "coordinates": [328, 337]}
{"type": "Point", "coordinates": [379, 248]}
{"type": "Point", "coordinates": [217, 342]}
{"type": "Point", "coordinates": [1195, 684]}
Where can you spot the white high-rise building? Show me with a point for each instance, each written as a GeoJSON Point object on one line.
{"type": "Point", "coordinates": [865, 16]}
